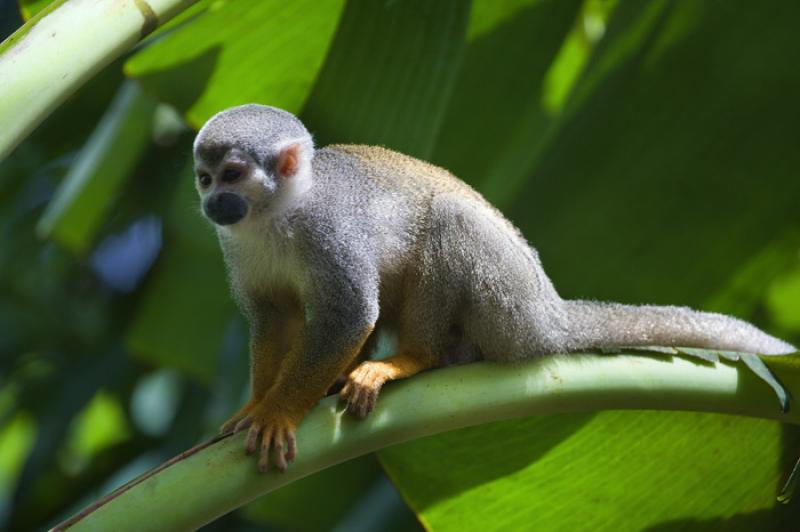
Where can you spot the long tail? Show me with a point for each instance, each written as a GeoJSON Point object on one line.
{"type": "Point", "coordinates": [603, 325]}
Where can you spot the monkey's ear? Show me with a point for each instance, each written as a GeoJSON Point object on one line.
{"type": "Point", "coordinates": [289, 161]}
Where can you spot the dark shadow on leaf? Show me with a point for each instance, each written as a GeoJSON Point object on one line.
{"type": "Point", "coordinates": [511, 80]}
{"type": "Point", "coordinates": [514, 445]}
{"type": "Point", "coordinates": [182, 84]}
{"type": "Point", "coordinates": [778, 519]}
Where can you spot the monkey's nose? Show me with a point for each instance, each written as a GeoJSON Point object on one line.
{"type": "Point", "coordinates": [225, 208]}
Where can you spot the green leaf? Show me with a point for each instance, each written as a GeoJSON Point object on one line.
{"type": "Point", "coordinates": [790, 487]}
{"type": "Point", "coordinates": [389, 73]}
{"type": "Point", "coordinates": [626, 471]}
{"type": "Point", "coordinates": [88, 192]}
{"type": "Point", "coordinates": [29, 8]}
{"type": "Point", "coordinates": [655, 149]}
{"type": "Point", "coordinates": [185, 307]}
{"type": "Point", "coordinates": [493, 90]}
{"type": "Point", "coordinates": [745, 291]}
{"type": "Point", "coordinates": [762, 370]}
{"type": "Point", "coordinates": [239, 52]}
{"type": "Point", "coordinates": [52, 55]}
{"type": "Point", "coordinates": [100, 425]}
{"type": "Point", "coordinates": [783, 299]}
{"type": "Point", "coordinates": [752, 361]}
{"type": "Point", "coordinates": [17, 438]}
{"type": "Point", "coordinates": [333, 491]}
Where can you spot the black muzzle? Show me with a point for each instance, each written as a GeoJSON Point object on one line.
{"type": "Point", "coordinates": [225, 208]}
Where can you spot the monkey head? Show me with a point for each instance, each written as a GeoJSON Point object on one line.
{"type": "Point", "coordinates": [251, 161]}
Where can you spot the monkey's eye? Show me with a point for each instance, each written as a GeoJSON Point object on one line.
{"type": "Point", "coordinates": [231, 174]}
{"type": "Point", "coordinates": [204, 180]}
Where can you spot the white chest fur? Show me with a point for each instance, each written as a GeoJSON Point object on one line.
{"type": "Point", "coordinates": [261, 259]}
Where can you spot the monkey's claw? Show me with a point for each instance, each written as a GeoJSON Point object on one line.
{"type": "Point", "coordinates": [362, 389]}
{"type": "Point", "coordinates": [232, 425]}
{"type": "Point", "coordinates": [275, 431]}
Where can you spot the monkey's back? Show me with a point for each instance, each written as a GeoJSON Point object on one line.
{"type": "Point", "coordinates": [416, 180]}
{"type": "Point", "coordinates": [448, 260]}
{"type": "Point", "coordinates": [401, 172]}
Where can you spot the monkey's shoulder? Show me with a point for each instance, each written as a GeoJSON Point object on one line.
{"type": "Point", "coordinates": [384, 158]}
{"type": "Point", "coordinates": [390, 169]}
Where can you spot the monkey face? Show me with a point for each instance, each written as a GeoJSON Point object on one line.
{"type": "Point", "coordinates": [234, 187]}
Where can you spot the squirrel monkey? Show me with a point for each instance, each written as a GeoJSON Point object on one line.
{"type": "Point", "coordinates": [324, 246]}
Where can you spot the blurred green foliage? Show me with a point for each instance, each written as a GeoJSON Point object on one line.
{"type": "Point", "coordinates": [647, 149]}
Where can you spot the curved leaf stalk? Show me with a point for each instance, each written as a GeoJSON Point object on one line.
{"type": "Point", "coordinates": [57, 51]}
{"type": "Point", "coordinates": [217, 477]}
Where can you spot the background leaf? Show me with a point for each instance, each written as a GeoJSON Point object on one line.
{"type": "Point", "coordinates": [86, 194]}
{"type": "Point", "coordinates": [484, 114]}
{"type": "Point", "coordinates": [389, 74]}
{"type": "Point", "coordinates": [29, 8]}
{"type": "Point", "coordinates": [288, 507]}
{"type": "Point", "coordinates": [625, 471]}
{"type": "Point", "coordinates": [183, 313]}
{"type": "Point", "coordinates": [250, 51]}
{"type": "Point", "coordinates": [662, 141]}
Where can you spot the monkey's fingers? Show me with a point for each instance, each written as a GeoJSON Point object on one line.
{"type": "Point", "coordinates": [243, 424]}
{"type": "Point", "coordinates": [281, 441]}
{"type": "Point", "coordinates": [369, 404]}
{"type": "Point", "coordinates": [278, 447]}
{"type": "Point", "coordinates": [228, 426]}
{"type": "Point", "coordinates": [234, 423]}
{"type": "Point", "coordinates": [284, 448]}
{"type": "Point", "coordinates": [362, 400]}
{"type": "Point", "coordinates": [291, 451]}
{"type": "Point", "coordinates": [362, 390]}
{"type": "Point", "coordinates": [366, 402]}
{"type": "Point", "coordinates": [263, 457]}
{"type": "Point", "coordinates": [357, 404]}
{"type": "Point", "coordinates": [252, 438]}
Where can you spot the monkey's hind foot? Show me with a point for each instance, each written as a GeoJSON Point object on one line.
{"type": "Point", "coordinates": [365, 382]}
{"type": "Point", "coordinates": [362, 388]}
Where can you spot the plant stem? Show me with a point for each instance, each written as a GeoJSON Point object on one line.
{"type": "Point", "coordinates": [217, 477]}
{"type": "Point", "coordinates": [52, 55]}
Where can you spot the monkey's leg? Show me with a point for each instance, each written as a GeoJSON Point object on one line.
{"type": "Point", "coordinates": [270, 339]}
{"type": "Point", "coordinates": [305, 375]}
{"type": "Point", "coordinates": [340, 311]}
{"type": "Point", "coordinates": [265, 357]}
{"type": "Point", "coordinates": [365, 382]}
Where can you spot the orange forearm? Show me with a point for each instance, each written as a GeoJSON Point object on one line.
{"type": "Point", "coordinates": [304, 379]}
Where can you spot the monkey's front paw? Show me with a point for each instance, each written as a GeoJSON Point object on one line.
{"type": "Point", "coordinates": [275, 430]}
{"type": "Point", "coordinates": [362, 388]}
